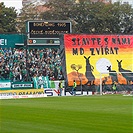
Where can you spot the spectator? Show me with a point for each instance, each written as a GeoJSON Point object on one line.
{"type": "Point", "coordinates": [60, 88]}
{"type": "Point", "coordinates": [74, 88]}
{"type": "Point", "coordinates": [21, 65]}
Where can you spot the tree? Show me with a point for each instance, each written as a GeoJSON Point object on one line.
{"type": "Point", "coordinates": [58, 9]}
{"type": "Point", "coordinates": [86, 16]}
{"type": "Point", "coordinates": [28, 12]}
{"type": "Point", "coordinates": [7, 19]}
{"type": "Point", "coordinates": [92, 17]}
{"type": "Point", "coordinates": [126, 17]}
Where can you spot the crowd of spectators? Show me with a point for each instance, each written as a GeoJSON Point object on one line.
{"type": "Point", "coordinates": [19, 64]}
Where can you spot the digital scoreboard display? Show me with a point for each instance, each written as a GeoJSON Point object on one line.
{"type": "Point", "coordinates": [48, 29]}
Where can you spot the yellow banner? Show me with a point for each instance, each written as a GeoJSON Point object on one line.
{"type": "Point", "coordinates": [86, 56]}
{"type": "Point", "coordinates": [21, 92]}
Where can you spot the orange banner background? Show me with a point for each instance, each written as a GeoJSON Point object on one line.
{"type": "Point", "coordinates": [102, 52]}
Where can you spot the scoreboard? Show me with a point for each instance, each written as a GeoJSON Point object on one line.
{"type": "Point", "coordinates": [47, 31]}
{"type": "Point", "coordinates": [43, 42]}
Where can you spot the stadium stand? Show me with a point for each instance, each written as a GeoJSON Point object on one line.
{"type": "Point", "coordinates": [19, 64]}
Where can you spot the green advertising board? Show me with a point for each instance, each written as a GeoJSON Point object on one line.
{"type": "Point", "coordinates": [17, 41]}
{"type": "Point", "coordinates": [11, 40]}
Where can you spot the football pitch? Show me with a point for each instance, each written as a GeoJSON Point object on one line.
{"type": "Point", "coordinates": [73, 114]}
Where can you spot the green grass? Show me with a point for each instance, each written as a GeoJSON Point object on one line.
{"type": "Point", "coordinates": [79, 114]}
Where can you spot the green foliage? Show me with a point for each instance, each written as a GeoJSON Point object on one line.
{"type": "Point", "coordinates": [92, 17]}
{"type": "Point", "coordinates": [79, 114]}
{"type": "Point", "coordinates": [28, 12]}
{"type": "Point", "coordinates": [7, 19]}
{"type": "Point", "coordinates": [86, 16]}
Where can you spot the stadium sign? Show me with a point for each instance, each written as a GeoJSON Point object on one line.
{"type": "Point", "coordinates": [6, 84]}
{"type": "Point", "coordinates": [11, 40]}
{"type": "Point", "coordinates": [43, 41]}
{"type": "Point", "coordinates": [48, 29]}
{"type": "Point", "coordinates": [22, 92]}
{"type": "Point", "coordinates": [22, 85]}
{"type": "Point", "coordinates": [3, 41]}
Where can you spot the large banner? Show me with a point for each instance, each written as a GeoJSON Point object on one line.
{"type": "Point", "coordinates": [85, 57]}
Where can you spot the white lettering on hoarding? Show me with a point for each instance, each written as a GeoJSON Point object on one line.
{"type": "Point", "coordinates": [3, 41]}
{"type": "Point", "coordinates": [21, 85]}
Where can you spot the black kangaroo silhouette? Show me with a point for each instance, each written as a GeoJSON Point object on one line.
{"type": "Point", "coordinates": [128, 76]}
{"type": "Point", "coordinates": [89, 68]}
{"type": "Point", "coordinates": [113, 75]}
